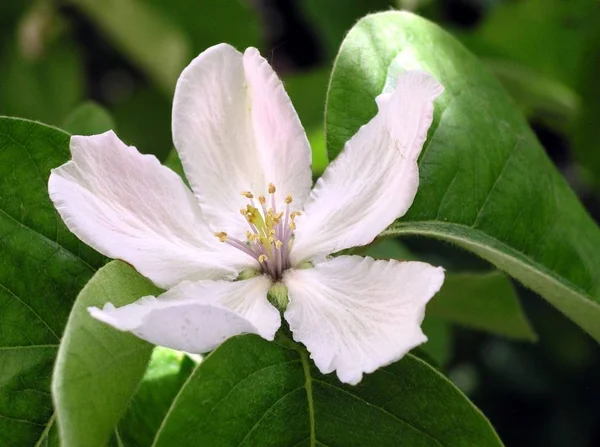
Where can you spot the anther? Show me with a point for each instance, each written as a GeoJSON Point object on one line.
{"type": "Point", "coordinates": [278, 244]}
{"type": "Point", "coordinates": [262, 200]}
{"type": "Point", "coordinates": [263, 258]}
{"type": "Point", "coordinates": [288, 199]}
{"type": "Point", "coordinates": [292, 225]}
{"type": "Point", "coordinates": [222, 236]}
{"type": "Point", "coordinates": [248, 194]}
{"type": "Point", "coordinates": [272, 188]}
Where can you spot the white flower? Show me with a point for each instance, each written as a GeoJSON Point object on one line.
{"type": "Point", "coordinates": [247, 158]}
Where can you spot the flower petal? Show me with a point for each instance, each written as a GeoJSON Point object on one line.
{"type": "Point", "coordinates": [236, 130]}
{"type": "Point", "coordinates": [128, 206]}
{"type": "Point", "coordinates": [356, 314]}
{"type": "Point", "coordinates": [196, 317]}
{"type": "Point", "coordinates": [375, 178]}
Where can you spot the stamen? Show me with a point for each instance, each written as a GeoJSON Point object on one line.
{"type": "Point", "coordinates": [222, 236]}
{"type": "Point", "coordinates": [271, 233]}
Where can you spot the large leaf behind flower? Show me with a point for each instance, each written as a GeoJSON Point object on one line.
{"type": "Point", "coordinates": [250, 392]}
{"type": "Point", "coordinates": [42, 268]}
{"type": "Point", "coordinates": [98, 368]}
{"type": "Point", "coordinates": [486, 183]}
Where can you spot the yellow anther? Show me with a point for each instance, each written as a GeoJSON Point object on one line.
{"type": "Point", "coordinates": [278, 244]}
{"type": "Point", "coordinates": [288, 199]}
{"type": "Point", "coordinates": [278, 215]}
{"type": "Point", "coordinates": [222, 236]}
{"type": "Point", "coordinates": [295, 214]}
{"type": "Point", "coordinates": [293, 225]}
{"type": "Point", "coordinates": [263, 258]}
{"type": "Point", "coordinates": [243, 211]}
{"type": "Point", "coordinates": [249, 235]}
{"type": "Point", "coordinates": [262, 200]}
{"type": "Point", "coordinates": [271, 240]}
{"type": "Point", "coordinates": [248, 194]}
{"type": "Point", "coordinates": [272, 188]}
{"type": "Point", "coordinates": [272, 232]}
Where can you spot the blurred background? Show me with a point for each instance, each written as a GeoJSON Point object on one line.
{"type": "Point", "coordinates": [59, 59]}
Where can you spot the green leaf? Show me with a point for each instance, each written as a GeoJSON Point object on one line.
{"type": "Point", "coordinates": [252, 392]}
{"type": "Point", "coordinates": [44, 88]}
{"type": "Point", "coordinates": [486, 184]}
{"type": "Point", "coordinates": [141, 32]}
{"type": "Point", "coordinates": [88, 119]}
{"type": "Point", "coordinates": [98, 368]}
{"type": "Point", "coordinates": [485, 301]}
{"type": "Point", "coordinates": [42, 268]}
{"type": "Point", "coordinates": [167, 372]}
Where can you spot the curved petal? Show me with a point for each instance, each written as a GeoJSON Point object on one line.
{"type": "Point", "coordinates": [196, 317]}
{"type": "Point", "coordinates": [236, 130]}
{"type": "Point", "coordinates": [128, 206]}
{"type": "Point", "coordinates": [356, 314]}
{"type": "Point", "coordinates": [375, 178]}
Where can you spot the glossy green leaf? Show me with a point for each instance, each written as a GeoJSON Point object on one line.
{"type": "Point", "coordinates": [98, 368]}
{"type": "Point", "coordinates": [250, 392]}
{"type": "Point", "coordinates": [485, 301]}
{"type": "Point", "coordinates": [141, 32]}
{"type": "Point", "coordinates": [486, 183]}
{"type": "Point", "coordinates": [88, 119]}
{"type": "Point", "coordinates": [167, 372]}
{"type": "Point", "coordinates": [42, 268]}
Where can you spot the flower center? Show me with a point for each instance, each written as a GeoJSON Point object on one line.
{"type": "Point", "coordinates": [271, 233]}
